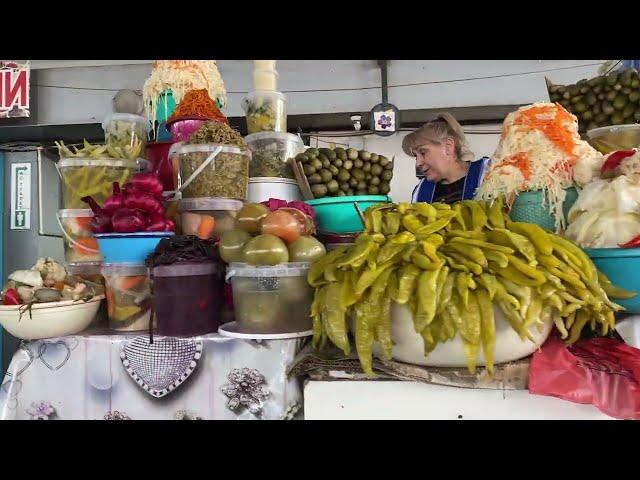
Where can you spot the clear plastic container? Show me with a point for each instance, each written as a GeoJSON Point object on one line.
{"type": "Point", "coordinates": [213, 170]}
{"type": "Point", "coordinates": [270, 153]}
{"type": "Point", "coordinates": [188, 298]}
{"type": "Point", "coordinates": [271, 299]}
{"type": "Point", "coordinates": [265, 79]}
{"type": "Point", "coordinates": [91, 271]}
{"type": "Point", "coordinates": [208, 217]}
{"type": "Point", "coordinates": [126, 130]}
{"type": "Point", "coordinates": [79, 242]}
{"type": "Point", "coordinates": [264, 64]}
{"type": "Point", "coordinates": [128, 296]}
{"type": "Point", "coordinates": [94, 177]}
{"type": "Point", "coordinates": [266, 111]}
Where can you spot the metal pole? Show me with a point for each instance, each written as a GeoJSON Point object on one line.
{"type": "Point", "coordinates": [383, 75]}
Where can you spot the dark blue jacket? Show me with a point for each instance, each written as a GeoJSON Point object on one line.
{"type": "Point", "coordinates": [425, 190]}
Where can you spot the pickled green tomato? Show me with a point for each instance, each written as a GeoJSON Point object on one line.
{"type": "Point", "coordinates": [250, 217]}
{"type": "Point", "coordinates": [231, 245]}
{"type": "Point", "coordinates": [306, 249]}
{"type": "Point", "coordinates": [265, 249]}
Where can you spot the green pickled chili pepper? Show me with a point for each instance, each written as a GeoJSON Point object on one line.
{"type": "Point", "coordinates": [514, 319]}
{"type": "Point", "coordinates": [470, 332]}
{"type": "Point", "coordinates": [364, 333]}
{"type": "Point", "coordinates": [465, 214]}
{"type": "Point", "coordinates": [581, 319]}
{"type": "Point", "coordinates": [507, 238]}
{"type": "Point", "coordinates": [435, 239]}
{"type": "Point", "coordinates": [334, 318]}
{"type": "Point", "coordinates": [369, 276]}
{"type": "Point", "coordinates": [316, 271]}
{"type": "Point", "coordinates": [432, 227]}
{"type": "Point", "coordinates": [478, 214]}
{"type": "Point", "coordinates": [527, 270]}
{"type": "Point", "coordinates": [332, 274]}
{"type": "Point", "coordinates": [391, 223]}
{"type": "Point", "coordinates": [455, 265]}
{"type": "Point", "coordinates": [430, 250]}
{"type": "Point", "coordinates": [373, 220]}
{"type": "Point", "coordinates": [549, 261]}
{"type": "Point", "coordinates": [348, 296]}
{"type": "Point", "coordinates": [487, 327]}
{"type": "Point", "coordinates": [426, 210]}
{"type": "Point", "coordinates": [534, 311]}
{"type": "Point", "coordinates": [440, 281]}
{"type": "Point", "coordinates": [316, 312]}
{"type": "Point", "coordinates": [383, 329]}
{"type": "Point", "coordinates": [556, 302]}
{"type": "Point", "coordinates": [389, 251]}
{"type": "Point", "coordinates": [447, 290]}
{"type": "Point", "coordinates": [482, 244]}
{"type": "Point", "coordinates": [392, 287]}
{"type": "Point", "coordinates": [412, 223]}
{"type": "Point", "coordinates": [568, 276]}
{"type": "Point", "coordinates": [540, 239]}
{"type": "Point", "coordinates": [357, 254]}
{"type": "Point", "coordinates": [546, 290]}
{"type": "Point", "coordinates": [462, 287]}
{"type": "Point", "coordinates": [407, 281]}
{"type": "Point", "coordinates": [469, 234]}
{"type": "Point", "coordinates": [403, 207]}
{"type": "Point", "coordinates": [617, 292]}
{"type": "Point", "coordinates": [496, 213]}
{"type": "Point", "coordinates": [424, 262]}
{"type": "Point", "coordinates": [408, 251]}
{"type": "Point", "coordinates": [427, 298]}
{"type": "Point", "coordinates": [472, 266]}
{"type": "Point", "coordinates": [490, 283]}
{"type": "Point", "coordinates": [403, 238]}
{"type": "Point", "coordinates": [498, 258]}
{"type": "Point", "coordinates": [472, 252]}
{"type": "Point", "coordinates": [441, 206]}
{"type": "Point", "coordinates": [517, 277]}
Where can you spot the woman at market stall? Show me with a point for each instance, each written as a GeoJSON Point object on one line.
{"type": "Point", "coordinates": [449, 169]}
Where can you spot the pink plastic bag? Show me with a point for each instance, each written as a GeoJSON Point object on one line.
{"type": "Point", "coordinates": [598, 371]}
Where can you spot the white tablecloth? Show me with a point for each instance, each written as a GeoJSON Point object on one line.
{"type": "Point", "coordinates": [125, 377]}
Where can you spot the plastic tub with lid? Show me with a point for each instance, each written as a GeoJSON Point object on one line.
{"type": "Point", "coordinates": [208, 217]}
{"type": "Point", "coordinates": [126, 130]}
{"type": "Point", "coordinates": [79, 243]}
{"type": "Point", "coordinates": [213, 170]}
{"type": "Point", "coordinates": [129, 296]}
{"type": "Point", "coordinates": [615, 137]}
{"type": "Point", "coordinates": [93, 177]}
{"type": "Point", "coordinates": [188, 298]}
{"type": "Point", "coordinates": [262, 189]}
{"type": "Point", "coordinates": [91, 271]}
{"type": "Point", "coordinates": [271, 299]}
{"type": "Point", "coordinates": [266, 111]}
{"type": "Point", "coordinates": [270, 153]}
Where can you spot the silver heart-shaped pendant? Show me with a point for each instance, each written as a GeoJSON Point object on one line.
{"type": "Point", "coordinates": [162, 366]}
{"type": "Point", "coordinates": [54, 355]}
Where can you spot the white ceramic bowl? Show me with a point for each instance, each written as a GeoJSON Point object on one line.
{"type": "Point", "coordinates": [54, 319]}
{"type": "Point", "coordinates": [409, 347]}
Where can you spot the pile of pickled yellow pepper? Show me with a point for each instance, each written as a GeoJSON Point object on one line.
{"type": "Point", "coordinates": [450, 264]}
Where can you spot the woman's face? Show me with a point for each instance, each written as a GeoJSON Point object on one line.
{"type": "Point", "coordinates": [435, 161]}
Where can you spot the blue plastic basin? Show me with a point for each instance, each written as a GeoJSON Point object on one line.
{"type": "Point", "coordinates": [339, 215]}
{"type": "Point", "coordinates": [129, 247]}
{"type": "Point", "coordinates": [622, 267]}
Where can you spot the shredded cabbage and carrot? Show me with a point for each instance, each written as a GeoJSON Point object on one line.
{"type": "Point", "coordinates": [540, 149]}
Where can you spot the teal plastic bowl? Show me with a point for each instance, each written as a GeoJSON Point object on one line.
{"type": "Point", "coordinates": [528, 208]}
{"type": "Point", "coordinates": [622, 267]}
{"type": "Point", "coordinates": [339, 214]}
{"type": "Point", "coordinates": [166, 106]}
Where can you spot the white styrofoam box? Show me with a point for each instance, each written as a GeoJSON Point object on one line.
{"type": "Point", "coordinates": [399, 400]}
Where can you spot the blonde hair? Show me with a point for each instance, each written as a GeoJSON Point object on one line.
{"type": "Point", "coordinates": [437, 131]}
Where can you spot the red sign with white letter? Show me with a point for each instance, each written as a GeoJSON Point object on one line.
{"type": "Point", "coordinates": [14, 89]}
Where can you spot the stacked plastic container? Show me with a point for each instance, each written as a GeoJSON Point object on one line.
{"type": "Point", "coordinates": [269, 301]}
{"type": "Point", "coordinates": [271, 146]}
{"type": "Point", "coordinates": [127, 284]}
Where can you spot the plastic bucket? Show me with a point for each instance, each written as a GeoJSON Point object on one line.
{"type": "Point", "coordinates": [528, 207]}
{"type": "Point", "coordinates": [79, 243]}
{"type": "Point", "coordinates": [183, 127]}
{"type": "Point", "coordinates": [621, 266]}
{"type": "Point", "coordinates": [188, 298]}
{"type": "Point", "coordinates": [339, 215]}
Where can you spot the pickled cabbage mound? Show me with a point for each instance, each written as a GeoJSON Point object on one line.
{"type": "Point", "coordinates": [540, 149]}
{"type": "Point", "coordinates": [266, 250]}
{"type": "Point", "coordinates": [606, 213]}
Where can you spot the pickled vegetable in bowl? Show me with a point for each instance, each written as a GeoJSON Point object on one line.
{"type": "Point", "coordinates": [617, 137]}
